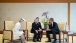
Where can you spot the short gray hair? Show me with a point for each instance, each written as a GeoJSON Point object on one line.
{"type": "Point", "coordinates": [37, 17]}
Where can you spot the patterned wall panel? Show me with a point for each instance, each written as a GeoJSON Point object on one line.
{"type": "Point", "coordinates": [29, 11]}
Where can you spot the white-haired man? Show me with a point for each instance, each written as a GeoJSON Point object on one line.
{"type": "Point", "coordinates": [36, 29]}
{"type": "Point", "coordinates": [17, 30]}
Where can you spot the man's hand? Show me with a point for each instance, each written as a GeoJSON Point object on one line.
{"type": "Point", "coordinates": [48, 29]}
{"type": "Point", "coordinates": [36, 31]}
{"type": "Point", "coordinates": [40, 30]}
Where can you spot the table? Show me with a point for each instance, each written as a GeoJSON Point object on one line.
{"type": "Point", "coordinates": [74, 34]}
{"type": "Point", "coordinates": [64, 32]}
{"type": "Point", "coordinates": [44, 32]}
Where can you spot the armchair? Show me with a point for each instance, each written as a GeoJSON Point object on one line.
{"type": "Point", "coordinates": [29, 26]}
{"type": "Point", "coordinates": [8, 33]}
{"type": "Point", "coordinates": [61, 26]}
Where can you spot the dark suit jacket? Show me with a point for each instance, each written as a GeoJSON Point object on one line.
{"type": "Point", "coordinates": [54, 28]}
{"type": "Point", "coordinates": [35, 27]}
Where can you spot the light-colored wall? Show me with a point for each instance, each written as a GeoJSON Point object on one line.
{"type": "Point", "coordinates": [29, 11]}
{"type": "Point", "coordinates": [73, 17]}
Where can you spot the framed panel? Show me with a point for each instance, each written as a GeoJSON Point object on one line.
{"type": "Point", "coordinates": [72, 17]}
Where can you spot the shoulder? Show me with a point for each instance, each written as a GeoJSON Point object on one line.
{"type": "Point", "coordinates": [18, 23]}
{"type": "Point", "coordinates": [33, 23]}
{"type": "Point", "coordinates": [39, 23]}
{"type": "Point", "coordinates": [54, 22]}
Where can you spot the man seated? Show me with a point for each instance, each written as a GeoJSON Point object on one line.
{"type": "Point", "coordinates": [53, 29]}
{"type": "Point", "coordinates": [17, 30]}
{"type": "Point", "coordinates": [36, 30]}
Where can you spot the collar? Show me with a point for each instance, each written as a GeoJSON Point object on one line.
{"type": "Point", "coordinates": [52, 24]}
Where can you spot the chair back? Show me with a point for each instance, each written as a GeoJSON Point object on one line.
{"type": "Point", "coordinates": [29, 26]}
{"type": "Point", "coordinates": [62, 25]}
{"type": "Point", "coordinates": [8, 25]}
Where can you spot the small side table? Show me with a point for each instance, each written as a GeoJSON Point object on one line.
{"type": "Point", "coordinates": [44, 32]}
{"type": "Point", "coordinates": [65, 32]}
{"type": "Point", "coordinates": [74, 34]}
{"type": "Point", "coordinates": [68, 37]}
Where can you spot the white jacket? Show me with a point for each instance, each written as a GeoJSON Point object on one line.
{"type": "Point", "coordinates": [17, 28]}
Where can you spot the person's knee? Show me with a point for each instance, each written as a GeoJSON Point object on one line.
{"type": "Point", "coordinates": [35, 34]}
{"type": "Point", "coordinates": [38, 33]}
{"type": "Point", "coordinates": [47, 32]}
{"type": "Point", "coordinates": [53, 32]}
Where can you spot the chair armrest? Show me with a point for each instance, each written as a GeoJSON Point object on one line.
{"type": "Point", "coordinates": [61, 30]}
{"type": "Point", "coordinates": [1, 32]}
{"type": "Point", "coordinates": [26, 34]}
{"type": "Point", "coordinates": [8, 34]}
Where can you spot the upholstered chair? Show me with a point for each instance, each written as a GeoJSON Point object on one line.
{"type": "Point", "coordinates": [61, 26]}
{"type": "Point", "coordinates": [8, 33]}
{"type": "Point", "coordinates": [29, 27]}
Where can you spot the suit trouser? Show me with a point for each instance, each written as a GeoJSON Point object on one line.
{"type": "Point", "coordinates": [51, 32]}
{"type": "Point", "coordinates": [36, 36]}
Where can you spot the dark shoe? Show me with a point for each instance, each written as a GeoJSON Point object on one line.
{"type": "Point", "coordinates": [38, 40]}
{"type": "Point", "coordinates": [48, 41]}
{"type": "Point", "coordinates": [34, 41]}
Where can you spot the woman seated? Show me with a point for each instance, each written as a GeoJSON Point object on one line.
{"type": "Point", "coordinates": [17, 30]}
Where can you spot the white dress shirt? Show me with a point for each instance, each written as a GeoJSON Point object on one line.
{"type": "Point", "coordinates": [52, 24]}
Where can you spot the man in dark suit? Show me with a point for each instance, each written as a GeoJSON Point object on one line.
{"type": "Point", "coordinates": [53, 29]}
{"type": "Point", "coordinates": [36, 29]}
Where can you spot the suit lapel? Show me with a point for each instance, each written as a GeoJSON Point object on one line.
{"type": "Point", "coordinates": [50, 25]}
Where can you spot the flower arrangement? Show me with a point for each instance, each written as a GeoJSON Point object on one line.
{"type": "Point", "coordinates": [45, 20]}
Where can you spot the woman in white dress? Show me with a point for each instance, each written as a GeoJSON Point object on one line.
{"type": "Point", "coordinates": [17, 30]}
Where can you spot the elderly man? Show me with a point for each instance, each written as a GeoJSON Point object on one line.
{"type": "Point", "coordinates": [17, 30]}
{"type": "Point", "coordinates": [53, 29]}
{"type": "Point", "coordinates": [36, 30]}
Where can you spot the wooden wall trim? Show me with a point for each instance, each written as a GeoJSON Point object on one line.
{"type": "Point", "coordinates": [1, 31]}
{"type": "Point", "coordinates": [32, 1]}
{"type": "Point", "coordinates": [69, 14]}
{"type": "Point", "coordinates": [73, 1]}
